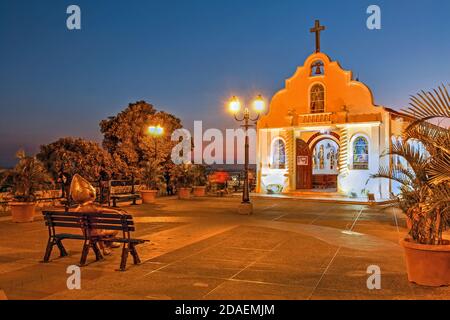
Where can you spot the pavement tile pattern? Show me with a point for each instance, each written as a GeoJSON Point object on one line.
{"type": "Point", "coordinates": [202, 249]}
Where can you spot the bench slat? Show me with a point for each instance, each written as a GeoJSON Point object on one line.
{"type": "Point", "coordinates": [109, 227]}
{"type": "Point", "coordinates": [81, 214]}
{"type": "Point", "coordinates": [110, 221]}
{"type": "Point", "coordinates": [65, 219]}
{"type": "Point", "coordinates": [134, 241]}
{"type": "Point", "coordinates": [63, 236]}
{"type": "Point", "coordinates": [65, 225]}
{"type": "Point", "coordinates": [109, 215]}
{"type": "Point", "coordinates": [62, 214]}
{"type": "Point", "coordinates": [91, 220]}
{"type": "Point", "coordinates": [123, 197]}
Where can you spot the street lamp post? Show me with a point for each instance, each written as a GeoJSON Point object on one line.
{"type": "Point", "coordinates": [156, 132]}
{"type": "Point", "coordinates": [235, 107]}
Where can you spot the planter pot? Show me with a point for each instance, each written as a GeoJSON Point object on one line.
{"type": "Point", "coordinates": [149, 196]}
{"type": "Point", "coordinates": [199, 191]}
{"type": "Point", "coordinates": [184, 193]}
{"type": "Point", "coordinates": [22, 211]}
{"type": "Point", "coordinates": [427, 265]}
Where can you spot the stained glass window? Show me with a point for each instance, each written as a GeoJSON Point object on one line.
{"type": "Point", "coordinates": [278, 154]}
{"type": "Point", "coordinates": [361, 154]}
{"type": "Point", "coordinates": [317, 99]}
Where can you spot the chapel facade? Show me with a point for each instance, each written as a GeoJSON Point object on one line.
{"type": "Point", "coordinates": [323, 131]}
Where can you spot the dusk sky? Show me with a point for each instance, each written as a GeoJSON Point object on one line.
{"type": "Point", "coordinates": [188, 57]}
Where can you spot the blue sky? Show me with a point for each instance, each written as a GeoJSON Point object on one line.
{"type": "Point", "coordinates": [188, 56]}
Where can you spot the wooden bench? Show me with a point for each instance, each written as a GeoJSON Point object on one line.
{"type": "Point", "coordinates": [86, 222]}
{"type": "Point", "coordinates": [127, 191]}
{"type": "Point", "coordinates": [124, 197]}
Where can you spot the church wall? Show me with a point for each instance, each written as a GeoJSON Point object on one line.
{"type": "Point", "coordinates": [357, 182]}
{"type": "Point", "coordinates": [398, 126]}
{"type": "Point", "coordinates": [270, 176]}
{"type": "Point", "coordinates": [342, 95]}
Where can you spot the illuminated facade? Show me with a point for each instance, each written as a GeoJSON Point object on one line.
{"type": "Point", "coordinates": [324, 132]}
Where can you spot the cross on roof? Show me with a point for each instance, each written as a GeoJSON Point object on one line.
{"type": "Point", "coordinates": [317, 29]}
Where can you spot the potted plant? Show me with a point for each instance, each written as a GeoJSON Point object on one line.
{"type": "Point", "coordinates": [423, 174]}
{"type": "Point", "coordinates": [199, 179]}
{"type": "Point", "coordinates": [152, 177]}
{"type": "Point", "coordinates": [25, 180]}
{"type": "Point", "coordinates": [182, 175]}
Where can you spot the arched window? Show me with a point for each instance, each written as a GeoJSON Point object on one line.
{"type": "Point", "coordinates": [278, 154]}
{"type": "Point", "coordinates": [317, 99]}
{"type": "Point", "coordinates": [360, 154]}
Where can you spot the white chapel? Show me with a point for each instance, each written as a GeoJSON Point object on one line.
{"type": "Point", "coordinates": [323, 132]}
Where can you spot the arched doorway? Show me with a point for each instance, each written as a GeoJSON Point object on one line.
{"type": "Point", "coordinates": [303, 165]}
{"type": "Point", "coordinates": [325, 164]}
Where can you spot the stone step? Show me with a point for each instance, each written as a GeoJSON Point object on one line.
{"type": "Point", "coordinates": [318, 193]}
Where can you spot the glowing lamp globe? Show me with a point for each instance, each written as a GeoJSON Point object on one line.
{"type": "Point", "coordinates": [234, 105]}
{"type": "Point", "coordinates": [259, 105]}
{"type": "Point", "coordinates": [156, 130]}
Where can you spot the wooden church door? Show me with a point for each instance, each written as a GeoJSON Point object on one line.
{"type": "Point", "coordinates": [304, 165]}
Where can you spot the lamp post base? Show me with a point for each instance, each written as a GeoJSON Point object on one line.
{"type": "Point", "coordinates": [246, 208]}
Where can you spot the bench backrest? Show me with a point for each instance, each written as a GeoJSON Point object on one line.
{"type": "Point", "coordinates": [86, 220]}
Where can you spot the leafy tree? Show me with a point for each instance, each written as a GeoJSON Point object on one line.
{"type": "Point", "coordinates": [183, 175]}
{"type": "Point", "coordinates": [151, 175]}
{"type": "Point", "coordinates": [69, 156]}
{"type": "Point", "coordinates": [127, 138]}
{"type": "Point", "coordinates": [199, 175]}
{"type": "Point", "coordinates": [27, 178]}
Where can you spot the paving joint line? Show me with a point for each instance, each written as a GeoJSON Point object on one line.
{"type": "Point", "coordinates": [334, 257]}
{"type": "Point", "coordinates": [245, 268]}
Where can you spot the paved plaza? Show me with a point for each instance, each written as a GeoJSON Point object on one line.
{"type": "Point", "coordinates": [201, 249]}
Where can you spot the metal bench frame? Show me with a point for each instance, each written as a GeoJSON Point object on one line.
{"type": "Point", "coordinates": [86, 222]}
{"type": "Point", "coordinates": [117, 197]}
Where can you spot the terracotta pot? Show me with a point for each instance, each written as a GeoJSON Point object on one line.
{"type": "Point", "coordinates": [149, 196]}
{"type": "Point", "coordinates": [199, 191]}
{"type": "Point", "coordinates": [427, 265]}
{"type": "Point", "coordinates": [184, 193]}
{"type": "Point", "coordinates": [22, 211]}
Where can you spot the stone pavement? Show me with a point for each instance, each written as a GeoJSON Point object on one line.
{"type": "Point", "coordinates": [201, 249]}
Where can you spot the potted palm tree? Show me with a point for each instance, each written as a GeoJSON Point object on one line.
{"type": "Point", "coordinates": [200, 179]}
{"type": "Point", "coordinates": [423, 174]}
{"type": "Point", "coordinates": [152, 177]}
{"type": "Point", "coordinates": [25, 180]}
{"type": "Point", "coordinates": [182, 175]}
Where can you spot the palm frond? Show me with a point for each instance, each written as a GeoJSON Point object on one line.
{"type": "Point", "coordinates": [441, 196]}
{"type": "Point", "coordinates": [430, 105]}
{"type": "Point", "coordinates": [416, 159]}
{"type": "Point", "coordinates": [439, 169]}
{"type": "Point", "coordinates": [393, 174]}
{"type": "Point", "coordinates": [440, 199]}
{"type": "Point", "coordinates": [434, 138]}
{"type": "Point", "coordinates": [407, 172]}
